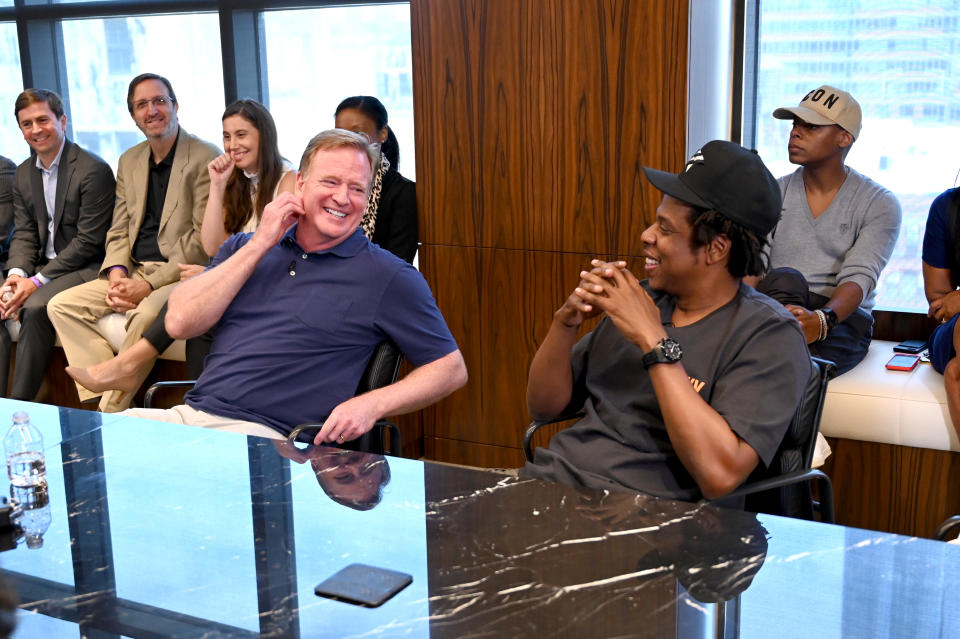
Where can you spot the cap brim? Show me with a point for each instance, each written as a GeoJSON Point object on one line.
{"type": "Point", "coordinates": [670, 184]}
{"type": "Point", "coordinates": [807, 115]}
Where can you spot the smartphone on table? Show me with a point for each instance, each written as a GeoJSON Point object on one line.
{"type": "Point", "coordinates": [363, 585]}
{"type": "Point", "coordinates": [903, 362]}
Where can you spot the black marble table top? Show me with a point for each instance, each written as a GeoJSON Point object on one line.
{"type": "Point", "coordinates": [161, 530]}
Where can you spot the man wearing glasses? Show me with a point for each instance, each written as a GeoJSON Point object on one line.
{"type": "Point", "coordinates": [162, 188]}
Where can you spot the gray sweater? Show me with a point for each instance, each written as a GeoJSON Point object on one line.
{"type": "Point", "coordinates": [850, 242]}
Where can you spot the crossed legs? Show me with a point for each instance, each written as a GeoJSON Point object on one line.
{"type": "Point", "coordinates": [75, 312]}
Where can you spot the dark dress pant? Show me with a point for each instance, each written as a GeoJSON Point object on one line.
{"type": "Point", "coordinates": [36, 340]}
{"type": "Point", "coordinates": [847, 344]}
{"type": "Point", "coordinates": [197, 348]}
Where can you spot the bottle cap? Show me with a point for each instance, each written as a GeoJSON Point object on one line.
{"type": "Point", "coordinates": [21, 417]}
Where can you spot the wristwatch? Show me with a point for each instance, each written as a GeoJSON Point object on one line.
{"type": "Point", "coordinates": [831, 317]}
{"type": "Point", "coordinates": [667, 351]}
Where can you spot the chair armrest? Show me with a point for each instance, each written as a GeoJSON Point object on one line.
{"type": "Point", "coordinates": [304, 433]}
{"type": "Point", "coordinates": [796, 477]}
{"type": "Point", "coordinates": [148, 396]}
{"type": "Point", "coordinates": [948, 526]}
{"type": "Point", "coordinates": [536, 425]}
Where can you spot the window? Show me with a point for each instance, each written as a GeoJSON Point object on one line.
{"type": "Point", "coordinates": [317, 57]}
{"type": "Point", "coordinates": [908, 87]}
{"type": "Point", "coordinates": [103, 55]}
{"type": "Point", "coordinates": [12, 145]}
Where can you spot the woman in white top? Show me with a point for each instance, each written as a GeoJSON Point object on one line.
{"type": "Point", "coordinates": [243, 180]}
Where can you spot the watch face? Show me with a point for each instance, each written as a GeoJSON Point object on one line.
{"type": "Point", "coordinates": [671, 349]}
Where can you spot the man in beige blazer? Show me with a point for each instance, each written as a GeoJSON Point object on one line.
{"type": "Point", "coordinates": [162, 188]}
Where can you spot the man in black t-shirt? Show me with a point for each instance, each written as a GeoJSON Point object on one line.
{"type": "Point", "coordinates": [691, 378]}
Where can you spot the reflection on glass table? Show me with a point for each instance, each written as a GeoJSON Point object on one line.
{"type": "Point", "coordinates": [181, 532]}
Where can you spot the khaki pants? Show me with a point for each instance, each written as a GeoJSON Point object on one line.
{"type": "Point", "coordinates": [184, 414]}
{"type": "Point", "coordinates": [74, 313]}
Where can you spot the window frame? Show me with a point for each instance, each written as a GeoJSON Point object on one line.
{"type": "Point", "coordinates": [39, 32]}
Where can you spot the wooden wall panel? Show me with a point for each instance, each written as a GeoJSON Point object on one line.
{"type": "Point", "coordinates": [898, 326]}
{"type": "Point", "coordinates": [897, 489]}
{"type": "Point", "coordinates": [513, 295]}
{"type": "Point", "coordinates": [535, 116]}
{"type": "Point", "coordinates": [454, 451]}
{"type": "Point", "coordinates": [533, 120]}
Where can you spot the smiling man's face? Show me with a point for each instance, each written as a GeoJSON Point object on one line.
{"type": "Point", "coordinates": [334, 192]}
{"type": "Point", "coordinates": [42, 129]}
{"type": "Point", "coordinates": [154, 111]}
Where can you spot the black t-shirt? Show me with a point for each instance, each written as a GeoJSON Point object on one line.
{"type": "Point", "coordinates": [747, 359]}
{"type": "Point", "coordinates": [146, 248]}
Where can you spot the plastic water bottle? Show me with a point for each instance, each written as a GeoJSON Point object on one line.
{"type": "Point", "coordinates": [34, 516]}
{"type": "Point", "coordinates": [23, 445]}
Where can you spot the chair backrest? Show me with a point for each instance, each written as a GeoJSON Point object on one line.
{"type": "Point", "coordinates": [382, 370]}
{"type": "Point", "coordinates": [796, 450]}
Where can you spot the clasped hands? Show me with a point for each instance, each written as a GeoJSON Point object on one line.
{"type": "Point", "coordinates": [809, 322]}
{"type": "Point", "coordinates": [125, 293]}
{"type": "Point", "coordinates": [608, 287]}
{"type": "Point", "coordinates": [20, 288]}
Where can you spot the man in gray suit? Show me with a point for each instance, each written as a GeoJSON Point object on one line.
{"type": "Point", "coordinates": [62, 206]}
{"type": "Point", "coordinates": [162, 189]}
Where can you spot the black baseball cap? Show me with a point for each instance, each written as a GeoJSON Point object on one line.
{"type": "Point", "coordinates": [729, 179]}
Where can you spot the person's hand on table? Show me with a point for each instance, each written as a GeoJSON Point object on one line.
{"type": "Point", "coordinates": [349, 420]}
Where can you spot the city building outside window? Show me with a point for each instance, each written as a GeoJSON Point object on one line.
{"type": "Point", "coordinates": [317, 57]}
{"type": "Point", "coordinates": [103, 55]}
{"type": "Point", "coordinates": [901, 61]}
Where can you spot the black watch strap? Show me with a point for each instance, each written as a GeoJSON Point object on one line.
{"type": "Point", "coordinates": [831, 316]}
{"type": "Point", "coordinates": [667, 351]}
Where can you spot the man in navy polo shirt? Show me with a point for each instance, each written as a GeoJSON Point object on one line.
{"type": "Point", "coordinates": [300, 305]}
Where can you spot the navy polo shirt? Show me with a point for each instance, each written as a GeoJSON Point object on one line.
{"type": "Point", "coordinates": [295, 340]}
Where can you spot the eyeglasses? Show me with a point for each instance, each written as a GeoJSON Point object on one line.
{"type": "Point", "coordinates": [157, 102]}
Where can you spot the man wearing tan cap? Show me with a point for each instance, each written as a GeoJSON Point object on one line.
{"type": "Point", "coordinates": [836, 233]}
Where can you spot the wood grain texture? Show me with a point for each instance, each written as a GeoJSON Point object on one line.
{"type": "Point", "coordinates": [514, 295]}
{"type": "Point", "coordinates": [454, 451]}
{"type": "Point", "coordinates": [534, 117]}
{"type": "Point", "coordinates": [533, 121]}
{"type": "Point", "coordinates": [897, 326]}
{"type": "Point", "coordinates": [897, 489]}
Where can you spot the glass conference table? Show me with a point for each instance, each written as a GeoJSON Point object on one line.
{"type": "Point", "coordinates": [161, 530]}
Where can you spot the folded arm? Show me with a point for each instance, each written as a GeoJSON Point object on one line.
{"type": "Point", "coordinates": [944, 300]}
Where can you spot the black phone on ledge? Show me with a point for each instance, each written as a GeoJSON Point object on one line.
{"type": "Point", "coordinates": [913, 346]}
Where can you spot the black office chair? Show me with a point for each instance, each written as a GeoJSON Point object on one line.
{"type": "Point", "coordinates": [783, 488]}
{"type": "Point", "coordinates": [947, 529]}
{"type": "Point", "coordinates": [382, 370]}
